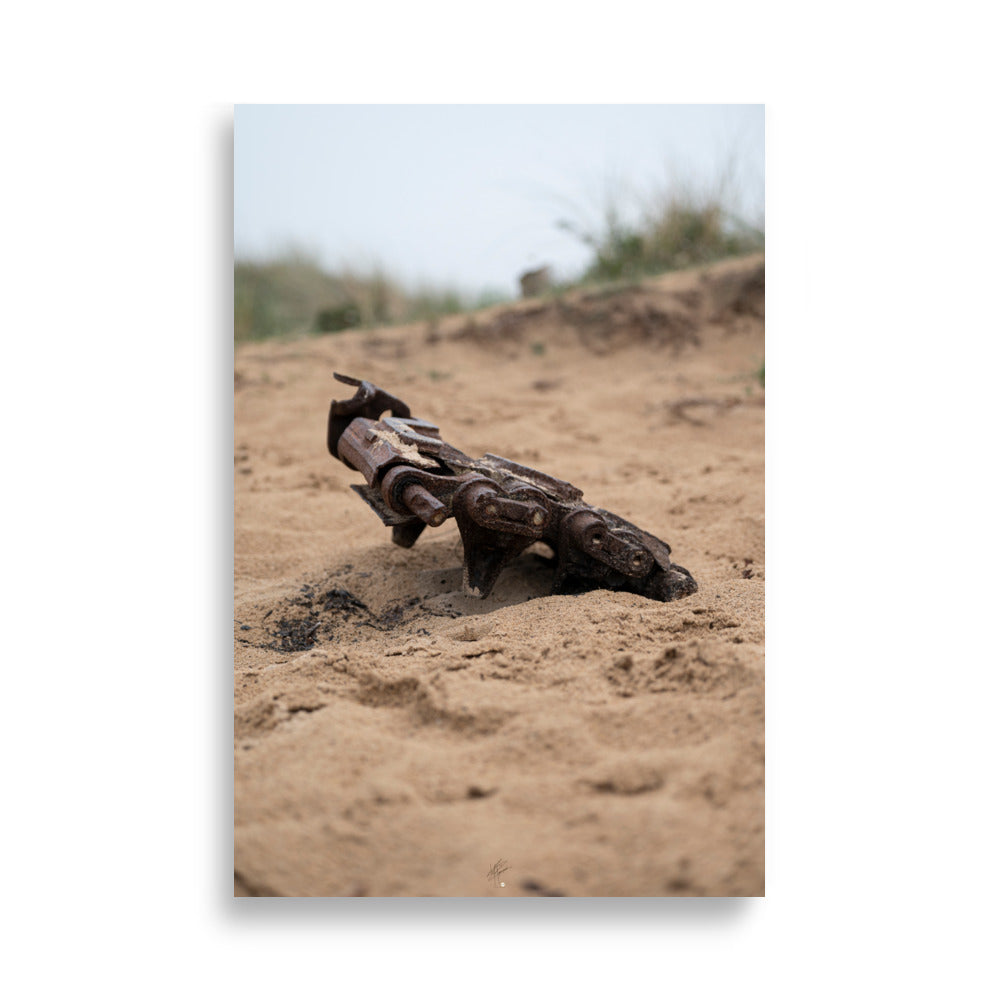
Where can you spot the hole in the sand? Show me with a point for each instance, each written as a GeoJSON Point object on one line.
{"type": "Point", "coordinates": [392, 594]}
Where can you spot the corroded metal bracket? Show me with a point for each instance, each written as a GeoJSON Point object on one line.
{"type": "Point", "coordinates": [414, 479]}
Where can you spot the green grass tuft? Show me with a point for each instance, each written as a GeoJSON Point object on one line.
{"type": "Point", "coordinates": [294, 294]}
{"type": "Point", "coordinates": [681, 231]}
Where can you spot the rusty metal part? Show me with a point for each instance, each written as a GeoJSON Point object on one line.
{"type": "Point", "coordinates": [414, 479]}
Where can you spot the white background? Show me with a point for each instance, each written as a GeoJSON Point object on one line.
{"type": "Point", "coordinates": [881, 525]}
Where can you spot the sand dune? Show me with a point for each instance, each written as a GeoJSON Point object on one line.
{"type": "Point", "coordinates": [393, 737]}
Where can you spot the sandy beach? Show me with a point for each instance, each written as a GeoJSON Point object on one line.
{"type": "Point", "coordinates": [393, 737]}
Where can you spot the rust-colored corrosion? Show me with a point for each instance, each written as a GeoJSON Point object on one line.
{"type": "Point", "coordinates": [414, 478]}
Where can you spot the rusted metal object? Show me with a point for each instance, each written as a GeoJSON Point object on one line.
{"type": "Point", "coordinates": [414, 479]}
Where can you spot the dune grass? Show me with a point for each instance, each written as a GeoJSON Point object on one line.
{"type": "Point", "coordinates": [293, 294]}
{"type": "Point", "coordinates": [675, 229]}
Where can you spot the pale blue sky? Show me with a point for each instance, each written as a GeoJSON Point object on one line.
{"type": "Point", "coordinates": [469, 196]}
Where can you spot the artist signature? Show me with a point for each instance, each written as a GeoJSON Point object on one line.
{"type": "Point", "coordinates": [496, 871]}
